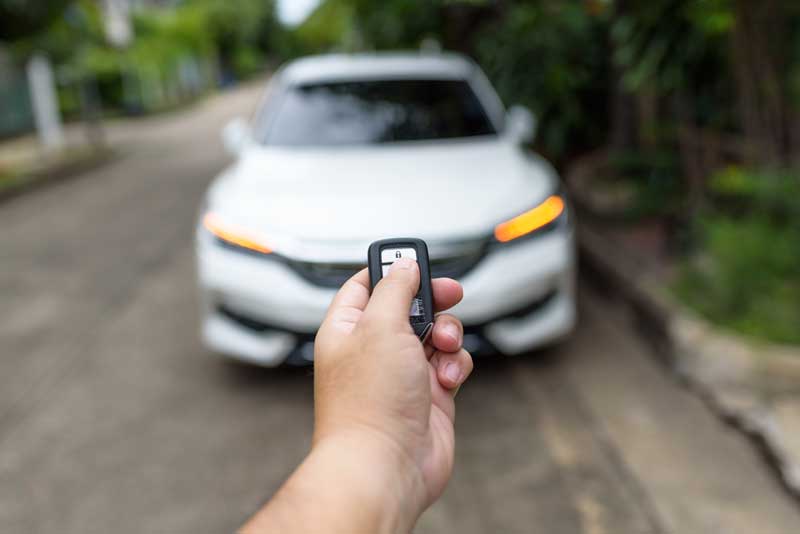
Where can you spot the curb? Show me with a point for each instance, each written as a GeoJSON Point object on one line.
{"type": "Point", "coordinates": [754, 386]}
{"type": "Point", "coordinates": [35, 180]}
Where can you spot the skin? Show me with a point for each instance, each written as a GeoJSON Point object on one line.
{"type": "Point", "coordinates": [384, 442]}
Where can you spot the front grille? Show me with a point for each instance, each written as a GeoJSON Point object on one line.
{"type": "Point", "coordinates": [326, 274]}
{"type": "Point", "coordinates": [248, 322]}
{"type": "Point", "coordinates": [455, 264]}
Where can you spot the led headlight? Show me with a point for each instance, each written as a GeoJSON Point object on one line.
{"type": "Point", "coordinates": [532, 220]}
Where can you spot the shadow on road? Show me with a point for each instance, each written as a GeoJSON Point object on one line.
{"type": "Point", "coordinates": [243, 376]}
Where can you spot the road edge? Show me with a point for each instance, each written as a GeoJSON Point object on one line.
{"type": "Point", "coordinates": [747, 384]}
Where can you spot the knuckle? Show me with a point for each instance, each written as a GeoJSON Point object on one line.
{"type": "Point", "coordinates": [450, 319]}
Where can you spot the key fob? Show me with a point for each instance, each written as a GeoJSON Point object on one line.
{"type": "Point", "coordinates": [383, 253]}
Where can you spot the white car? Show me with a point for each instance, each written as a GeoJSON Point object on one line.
{"type": "Point", "coordinates": [348, 149]}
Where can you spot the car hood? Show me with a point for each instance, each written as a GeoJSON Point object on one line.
{"type": "Point", "coordinates": [299, 200]}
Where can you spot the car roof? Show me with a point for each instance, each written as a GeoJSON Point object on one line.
{"type": "Point", "coordinates": [372, 66]}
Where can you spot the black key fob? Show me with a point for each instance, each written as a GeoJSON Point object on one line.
{"type": "Point", "coordinates": [383, 253]}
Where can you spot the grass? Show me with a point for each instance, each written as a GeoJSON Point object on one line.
{"type": "Point", "coordinates": [8, 179]}
{"type": "Point", "coordinates": [66, 163]}
{"type": "Point", "coordinates": [747, 278]}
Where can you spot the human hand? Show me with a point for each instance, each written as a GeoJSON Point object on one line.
{"type": "Point", "coordinates": [383, 442]}
{"type": "Point", "coordinates": [377, 388]}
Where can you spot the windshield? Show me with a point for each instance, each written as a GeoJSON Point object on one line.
{"type": "Point", "coordinates": [372, 112]}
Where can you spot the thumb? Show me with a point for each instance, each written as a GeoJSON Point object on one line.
{"type": "Point", "coordinates": [391, 299]}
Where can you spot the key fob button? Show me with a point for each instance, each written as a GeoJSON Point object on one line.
{"type": "Point", "coordinates": [389, 255]}
{"type": "Point", "coordinates": [385, 269]}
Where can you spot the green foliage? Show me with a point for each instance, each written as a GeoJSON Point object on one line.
{"type": "Point", "coordinates": [748, 280]}
{"type": "Point", "coordinates": [22, 18]}
{"type": "Point", "coordinates": [746, 276]}
{"type": "Point", "coordinates": [69, 35]}
{"type": "Point", "coordinates": [655, 178]}
{"type": "Point", "coordinates": [679, 47]}
{"type": "Point", "coordinates": [194, 34]}
{"type": "Point", "coordinates": [772, 193]}
{"type": "Point", "coordinates": [241, 31]}
{"type": "Point", "coordinates": [163, 38]}
{"type": "Point", "coordinates": [397, 23]}
{"type": "Point", "coordinates": [663, 44]}
{"type": "Point", "coordinates": [330, 26]}
{"type": "Point", "coordinates": [552, 57]}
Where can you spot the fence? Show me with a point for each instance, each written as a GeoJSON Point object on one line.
{"type": "Point", "coordinates": [16, 115]}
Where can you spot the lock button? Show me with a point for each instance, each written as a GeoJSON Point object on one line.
{"type": "Point", "coordinates": [390, 255]}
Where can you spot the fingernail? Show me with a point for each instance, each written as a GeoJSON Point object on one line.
{"type": "Point", "coordinates": [402, 263]}
{"type": "Point", "coordinates": [452, 331]}
{"type": "Point", "coordinates": [452, 372]}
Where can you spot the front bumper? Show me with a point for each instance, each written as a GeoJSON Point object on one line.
{"type": "Point", "coordinates": [518, 297]}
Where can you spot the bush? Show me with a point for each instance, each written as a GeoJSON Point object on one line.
{"type": "Point", "coordinates": [176, 52]}
{"type": "Point", "coordinates": [772, 193]}
{"type": "Point", "coordinates": [552, 57]}
{"type": "Point", "coordinates": [746, 278]}
{"type": "Point", "coordinates": [655, 179]}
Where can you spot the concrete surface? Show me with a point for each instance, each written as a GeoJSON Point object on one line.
{"type": "Point", "coordinates": [113, 418]}
{"type": "Point", "coordinates": [752, 383]}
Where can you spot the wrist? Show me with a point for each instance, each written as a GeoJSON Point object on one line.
{"type": "Point", "coordinates": [350, 483]}
{"type": "Point", "coordinates": [370, 478]}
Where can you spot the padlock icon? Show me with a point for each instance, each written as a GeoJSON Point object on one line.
{"type": "Point", "coordinates": [398, 255]}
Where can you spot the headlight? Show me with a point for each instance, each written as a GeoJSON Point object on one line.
{"type": "Point", "coordinates": [530, 221]}
{"type": "Point", "coordinates": [233, 235]}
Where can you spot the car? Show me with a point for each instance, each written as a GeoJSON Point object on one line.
{"type": "Point", "coordinates": [347, 149]}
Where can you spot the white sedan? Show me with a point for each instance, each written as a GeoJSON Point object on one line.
{"type": "Point", "coordinates": [348, 149]}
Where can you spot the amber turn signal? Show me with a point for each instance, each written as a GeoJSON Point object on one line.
{"type": "Point", "coordinates": [530, 221]}
{"type": "Point", "coordinates": [232, 235]}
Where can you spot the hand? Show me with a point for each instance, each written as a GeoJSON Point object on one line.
{"type": "Point", "coordinates": [383, 443]}
{"type": "Point", "coordinates": [375, 380]}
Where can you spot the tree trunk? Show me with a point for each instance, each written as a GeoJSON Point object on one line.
{"type": "Point", "coordinates": [624, 132]}
{"type": "Point", "coordinates": [759, 33]}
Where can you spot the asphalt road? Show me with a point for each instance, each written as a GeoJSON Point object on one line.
{"type": "Point", "coordinates": [114, 419]}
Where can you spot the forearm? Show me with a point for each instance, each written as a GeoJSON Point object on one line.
{"type": "Point", "coordinates": [343, 486]}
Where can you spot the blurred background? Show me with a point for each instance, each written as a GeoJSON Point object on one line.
{"type": "Point", "coordinates": [675, 125]}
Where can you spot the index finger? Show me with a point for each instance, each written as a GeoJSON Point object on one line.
{"type": "Point", "coordinates": [353, 294]}
{"type": "Point", "coordinates": [446, 293]}
{"type": "Point", "coordinates": [348, 304]}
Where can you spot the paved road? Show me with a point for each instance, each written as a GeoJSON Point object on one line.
{"type": "Point", "coordinates": [114, 419]}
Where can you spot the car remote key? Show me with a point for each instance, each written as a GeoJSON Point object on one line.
{"type": "Point", "coordinates": [383, 253]}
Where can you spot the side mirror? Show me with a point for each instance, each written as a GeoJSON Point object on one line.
{"type": "Point", "coordinates": [236, 135]}
{"type": "Point", "coordinates": [520, 124]}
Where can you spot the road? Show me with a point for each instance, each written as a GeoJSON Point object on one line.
{"type": "Point", "coordinates": [114, 418]}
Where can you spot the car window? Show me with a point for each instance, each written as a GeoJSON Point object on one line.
{"type": "Point", "coordinates": [373, 112]}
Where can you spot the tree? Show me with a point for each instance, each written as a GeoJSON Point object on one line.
{"type": "Point", "coordinates": [553, 57]}
{"type": "Point", "coordinates": [22, 18]}
{"type": "Point", "coordinates": [242, 32]}
{"type": "Point", "coordinates": [761, 66]}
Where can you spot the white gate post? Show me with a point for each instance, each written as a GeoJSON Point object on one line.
{"type": "Point", "coordinates": [46, 112]}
